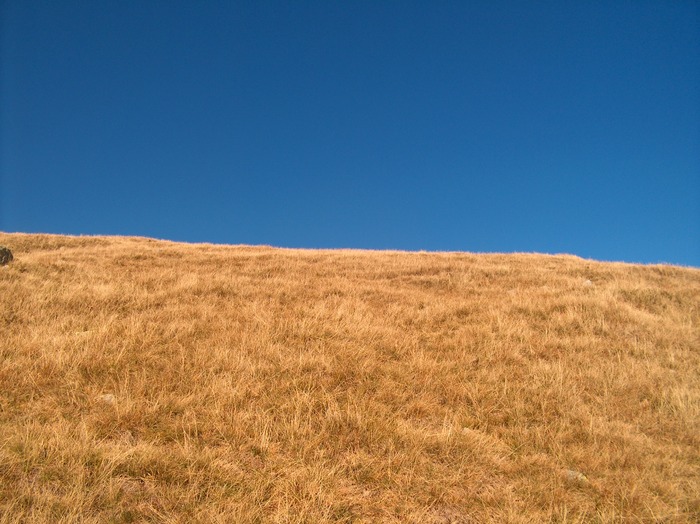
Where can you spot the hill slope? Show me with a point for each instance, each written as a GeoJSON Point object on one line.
{"type": "Point", "coordinates": [146, 380]}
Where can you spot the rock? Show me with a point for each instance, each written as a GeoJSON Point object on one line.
{"type": "Point", "coordinates": [448, 515]}
{"type": "Point", "coordinates": [107, 398]}
{"type": "Point", "coordinates": [5, 256]}
{"type": "Point", "coordinates": [576, 477]}
{"type": "Point", "coordinates": [588, 283]}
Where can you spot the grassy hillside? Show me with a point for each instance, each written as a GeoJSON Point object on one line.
{"type": "Point", "coordinates": [150, 381]}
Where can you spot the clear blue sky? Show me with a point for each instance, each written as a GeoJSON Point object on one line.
{"type": "Point", "coordinates": [484, 126]}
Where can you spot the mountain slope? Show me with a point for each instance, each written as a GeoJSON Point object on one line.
{"type": "Point", "coordinates": [145, 380]}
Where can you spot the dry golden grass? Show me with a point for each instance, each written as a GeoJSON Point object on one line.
{"type": "Point", "coordinates": [150, 381]}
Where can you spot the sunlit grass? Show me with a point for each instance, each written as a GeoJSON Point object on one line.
{"type": "Point", "coordinates": [152, 381]}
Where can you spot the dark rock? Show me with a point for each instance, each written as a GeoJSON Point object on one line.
{"type": "Point", "coordinates": [5, 256]}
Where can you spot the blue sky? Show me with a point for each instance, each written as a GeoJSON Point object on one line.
{"type": "Point", "coordinates": [482, 126]}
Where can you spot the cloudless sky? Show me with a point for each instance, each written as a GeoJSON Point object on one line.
{"type": "Point", "coordinates": [476, 125]}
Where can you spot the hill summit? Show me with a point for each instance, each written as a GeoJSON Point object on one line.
{"type": "Point", "coordinates": [145, 380]}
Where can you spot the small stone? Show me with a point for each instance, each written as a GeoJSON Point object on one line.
{"type": "Point", "coordinates": [449, 515]}
{"type": "Point", "coordinates": [107, 398]}
{"type": "Point", "coordinates": [576, 477]}
{"type": "Point", "coordinates": [5, 256]}
{"type": "Point", "coordinates": [588, 283]}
